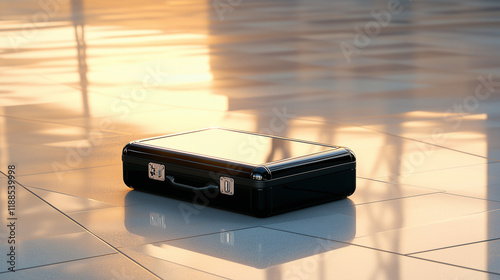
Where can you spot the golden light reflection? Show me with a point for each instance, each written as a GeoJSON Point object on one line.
{"type": "Point", "coordinates": [64, 131]}
{"type": "Point", "coordinates": [426, 114]}
{"type": "Point", "coordinates": [203, 262]}
{"type": "Point", "coordinates": [476, 117]}
{"type": "Point", "coordinates": [442, 115]}
{"type": "Point", "coordinates": [417, 124]}
{"type": "Point", "coordinates": [181, 59]}
{"type": "Point", "coordinates": [174, 61]}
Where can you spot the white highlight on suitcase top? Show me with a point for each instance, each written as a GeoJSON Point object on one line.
{"type": "Point", "coordinates": [237, 146]}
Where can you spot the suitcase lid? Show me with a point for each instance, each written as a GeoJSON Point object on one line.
{"type": "Point", "coordinates": [255, 156]}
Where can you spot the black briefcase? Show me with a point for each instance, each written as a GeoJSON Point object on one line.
{"type": "Point", "coordinates": [254, 174]}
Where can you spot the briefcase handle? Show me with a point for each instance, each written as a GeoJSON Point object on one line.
{"type": "Point", "coordinates": [188, 187]}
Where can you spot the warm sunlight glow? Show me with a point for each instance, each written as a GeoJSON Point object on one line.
{"type": "Point", "coordinates": [206, 263]}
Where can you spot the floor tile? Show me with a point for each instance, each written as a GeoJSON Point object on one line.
{"type": "Point", "coordinates": [103, 267]}
{"type": "Point", "coordinates": [139, 124]}
{"type": "Point", "coordinates": [35, 218]}
{"type": "Point", "coordinates": [413, 157]}
{"type": "Point", "coordinates": [102, 184]}
{"type": "Point", "coordinates": [486, 256]}
{"type": "Point", "coordinates": [470, 131]}
{"type": "Point", "coordinates": [44, 149]}
{"type": "Point", "coordinates": [44, 159]}
{"type": "Point", "coordinates": [254, 252]}
{"type": "Point", "coordinates": [480, 181]}
{"type": "Point", "coordinates": [68, 203]}
{"type": "Point", "coordinates": [50, 250]}
{"type": "Point", "coordinates": [379, 217]}
{"type": "Point", "coordinates": [40, 234]}
{"type": "Point", "coordinates": [260, 253]}
{"type": "Point", "coordinates": [73, 105]}
{"type": "Point", "coordinates": [368, 191]}
{"type": "Point", "coordinates": [34, 132]}
{"type": "Point", "coordinates": [168, 269]}
{"type": "Point", "coordinates": [472, 228]}
{"type": "Point", "coordinates": [157, 219]}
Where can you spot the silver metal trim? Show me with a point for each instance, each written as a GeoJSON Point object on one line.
{"type": "Point", "coordinates": [257, 177]}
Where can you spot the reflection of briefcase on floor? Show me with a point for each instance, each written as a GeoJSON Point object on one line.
{"type": "Point", "coordinates": [223, 238]}
{"type": "Point", "coordinates": [249, 173]}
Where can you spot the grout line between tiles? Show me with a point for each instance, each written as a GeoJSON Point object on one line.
{"type": "Point", "coordinates": [453, 246]}
{"type": "Point", "coordinates": [394, 135]}
{"type": "Point", "coordinates": [333, 240]}
{"type": "Point", "coordinates": [186, 237]}
{"type": "Point", "coordinates": [71, 195]}
{"type": "Point", "coordinates": [455, 265]}
{"type": "Point", "coordinates": [423, 142]}
{"type": "Point", "coordinates": [380, 250]}
{"type": "Point", "coordinates": [68, 170]}
{"type": "Point", "coordinates": [436, 191]}
{"type": "Point", "coordinates": [468, 196]}
{"type": "Point", "coordinates": [93, 234]}
{"type": "Point", "coordinates": [386, 182]}
{"type": "Point", "coordinates": [109, 205]}
{"type": "Point", "coordinates": [192, 268]}
{"type": "Point", "coordinates": [443, 169]}
{"type": "Point", "coordinates": [61, 262]}
{"type": "Point", "coordinates": [398, 198]}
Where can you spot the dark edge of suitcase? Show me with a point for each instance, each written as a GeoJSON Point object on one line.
{"type": "Point", "coordinates": [259, 190]}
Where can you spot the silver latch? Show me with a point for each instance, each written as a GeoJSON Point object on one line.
{"type": "Point", "coordinates": [156, 171]}
{"type": "Point", "coordinates": [226, 185]}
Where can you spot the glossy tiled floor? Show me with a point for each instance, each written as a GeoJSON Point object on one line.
{"type": "Point", "coordinates": [412, 87]}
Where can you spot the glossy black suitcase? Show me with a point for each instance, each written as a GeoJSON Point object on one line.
{"type": "Point", "coordinates": [249, 173]}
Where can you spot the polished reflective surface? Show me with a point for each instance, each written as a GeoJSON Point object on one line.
{"type": "Point", "coordinates": [236, 146]}
{"type": "Point", "coordinates": [412, 87]}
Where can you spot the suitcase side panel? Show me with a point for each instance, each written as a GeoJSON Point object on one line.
{"type": "Point", "coordinates": [305, 189]}
{"type": "Point", "coordinates": [306, 192]}
{"type": "Point", "coordinates": [246, 199]}
{"type": "Point", "coordinates": [256, 198]}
